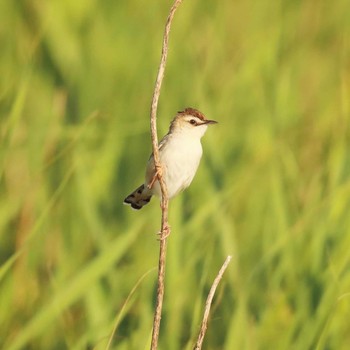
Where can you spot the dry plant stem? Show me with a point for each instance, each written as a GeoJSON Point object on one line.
{"type": "Point", "coordinates": [204, 324]}
{"type": "Point", "coordinates": [165, 231]}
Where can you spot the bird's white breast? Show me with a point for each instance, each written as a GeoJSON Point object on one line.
{"type": "Point", "coordinates": [180, 157]}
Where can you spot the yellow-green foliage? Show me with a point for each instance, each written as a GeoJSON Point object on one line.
{"type": "Point", "coordinates": [273, 188]}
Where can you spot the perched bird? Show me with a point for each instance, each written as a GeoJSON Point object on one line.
{"type": "Point", "coordinates": [180, 151]}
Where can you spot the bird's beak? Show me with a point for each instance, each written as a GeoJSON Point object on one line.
{"type": "Point", "coordinates": [208, 121]}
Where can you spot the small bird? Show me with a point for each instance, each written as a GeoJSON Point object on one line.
{"type": "Point", "coordinates": [180, 151]}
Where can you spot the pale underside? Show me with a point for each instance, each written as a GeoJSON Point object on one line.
{"type": "Point", "coordinates": [180, 158]}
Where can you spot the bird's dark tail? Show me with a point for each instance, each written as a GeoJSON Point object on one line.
{"type": "Point", "coordinates": [140, 197]}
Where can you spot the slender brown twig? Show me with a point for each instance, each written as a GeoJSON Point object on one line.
{"type": "Point", "coordinates": [204, 324]}
{"type": "Point", "coordinates": [165, 230]}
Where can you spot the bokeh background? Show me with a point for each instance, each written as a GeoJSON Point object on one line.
{"type": "Point", "coordinates": [273, 187]}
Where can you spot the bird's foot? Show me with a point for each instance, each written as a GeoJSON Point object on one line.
{"type": "Point", "coordinates": [157, 174]}
{"type": "Point", "coordinates": [165, 233]}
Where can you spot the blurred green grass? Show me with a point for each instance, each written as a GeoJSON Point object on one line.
{"type": "Point", "coordinates": [273, 188]}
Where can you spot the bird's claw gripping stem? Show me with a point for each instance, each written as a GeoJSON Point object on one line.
{"type": "Point", "coordinates": [157, 174]}
{"type": "Point", "coordinates": [165, 233]}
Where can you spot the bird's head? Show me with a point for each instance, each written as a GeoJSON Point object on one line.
{"type": "Point", "coordinates": [190, 122]}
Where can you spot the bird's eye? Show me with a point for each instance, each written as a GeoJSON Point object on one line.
{"type": "Point", "coordinates": [193, 122]}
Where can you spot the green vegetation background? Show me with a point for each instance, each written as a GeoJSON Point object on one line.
{"type": "Point", "coordinates": [273, 188]}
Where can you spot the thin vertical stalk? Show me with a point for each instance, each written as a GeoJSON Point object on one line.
{"type": "Point", "coordinates": [208, 303]}
{"type": "Point", "coordinates": [165, 230]}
